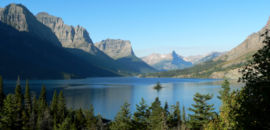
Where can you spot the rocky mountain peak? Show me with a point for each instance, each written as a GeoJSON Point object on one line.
{"type": "Point", "coordinates": [20, 18]}
{"type": "Point", "coordinates": [16, 15]}
{"type": "Point", "coordinates": [69, 36]}
{"type": "Point", "coordinates": [116, 48]}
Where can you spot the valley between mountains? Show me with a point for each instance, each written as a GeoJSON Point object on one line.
{"type": "Point", "coordinates": [42, 46]}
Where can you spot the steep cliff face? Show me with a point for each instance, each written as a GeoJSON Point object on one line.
{"type": "Point", "coordinates": [116, 48]}
{"type": "Point", "coordinates": [69, 36]}
{"type": "Point", "coordinates": [122, 52]}
{"type": "Point", "coordinates": [20, 18]}
{"type": "Point", "coordinates": [29, 49]}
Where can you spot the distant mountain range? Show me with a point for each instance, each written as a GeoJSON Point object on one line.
{"type": "Point", "coordinates": [174, 61]}
{"type": "Point", "coordinates": [42, 46]}
{"type": "Point", "coordinates": [226, 65]}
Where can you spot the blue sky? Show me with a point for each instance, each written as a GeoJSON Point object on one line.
{"type": "Point", "coordinates": [190, 27]}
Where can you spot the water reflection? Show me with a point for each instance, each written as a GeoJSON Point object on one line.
{"type": "Point", "coordinates": [108, 94]}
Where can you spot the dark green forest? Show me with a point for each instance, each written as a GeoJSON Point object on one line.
{"type": "Point", "coordinates": [247, 108]}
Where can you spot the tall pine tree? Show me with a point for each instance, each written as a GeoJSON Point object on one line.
{"type": "Point", "coordinates": [123, 119]}
{"type": "Point", "coordinates": [27, 99]}
{"type": "Point", "coordinates": [157, 115]}
{"type": "Point", "coordinates": [141, 115]}
{"type": "Point", "coordinates": [61, 107]}
{"type": "Point", "coordinates": [203, 112]}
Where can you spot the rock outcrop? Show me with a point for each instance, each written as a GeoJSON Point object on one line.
{"type": "Point", "coordinates": [20, 18]}
{"type": "Point", "coordinates": [116, 48]}
{"type": "Point", "coordinates": [122, 52]}
{"type": "Point", "coordinates": [69, 36]}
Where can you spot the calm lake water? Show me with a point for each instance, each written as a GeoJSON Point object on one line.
{"type": "Point", "coordinates": [108, 94]}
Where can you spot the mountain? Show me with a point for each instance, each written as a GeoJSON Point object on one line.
{"type": "Point", "coordinates": [170, 61]}
{"type": "Point", "coordinates": [122, 52]}
{"type": "Point", "coordinates": [30, 49]}
{"type": "Point", "coordinates": [116, 48]}
{"type": "Point", "coordinates": [203, 58]}
{"type": "Point", "coordinates": [226, 65]}
{"type": "Point", "coordinates": [77, 41]}
{"type": "Point", "coordinates": [69, 36]}
{"type": "Point", "coordinates": [20, 18]}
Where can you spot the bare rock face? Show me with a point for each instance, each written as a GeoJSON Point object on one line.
{"type": "Point", "coordinates": [20, 18]}
{"type": "Point", "coordinates": [116, 48]}
{"type": "Point", "coordinates": [69, 36]}
{"type": "Point", "coordinates": [249, 46]}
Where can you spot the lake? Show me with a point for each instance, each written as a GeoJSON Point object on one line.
{"type": "Point", "coordinates": [108, 94]}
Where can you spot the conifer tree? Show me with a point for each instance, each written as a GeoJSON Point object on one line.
{"type": "Point", "coordinates": [61, 107]}
{"type": "Point", "coordinates": [141, 115]}
{"type": "Point", "coordinates": [175, 117]}
{"type": "Point", "coordinates": [42, 103]}
{"type": "Point", "coordinates": [203, 112]}
{"type": "Point", "coordinates": [184, 115]}
{"type": "Point", "coordinates": [226, 117]}
{"type": "Point", "coordinates": [19, 103]}
{"type": "Point", "coordinates": [66, 124]}
{"type": "Point", "coordinates": [100, 125]}
{"type": "Point", "coordinates": [155, 119]}
{"type": "Point", "coordinates": [9, 115]}
{"type": "Point", "coordinates": [90, 118]}
{"type": "Point", "coordinates": [27, 108]}
{"type": "Point", "coordinates": [79, 119]}
{"type": "Point", "coordinates": [53, 107]}
{"type": "Point", "coordinates": [166, 109]}
{"type": "Point", "coordinates": [18, 95]}
{"type": "Point", "coordinates": [253, 99]}
{"type": "Point", "coordinates": [123, 119]}
{"type": "Point", "coordinates": [27, 99]}
{"type": "Point", "coordinates": [2, 95]}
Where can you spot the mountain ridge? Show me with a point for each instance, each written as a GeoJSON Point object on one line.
{"type": "Point", "coordinates": [25, 52]}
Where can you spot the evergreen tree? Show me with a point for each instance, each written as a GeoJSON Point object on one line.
{"type": "Point", "coordinates": [53, 107]}
{"type": "Point", "coordinates": [184, 115]}
{"type": "Point", "coordinates": [123, 119]}
{"type": "Point", "coordinates": [166, 109]}
{"type": "Point", "coordinates": [45, 121]}
{"type": "Point", "coordinates": [203, 112]}
{"type": "Point", "coordinates": [100, 125]}
{"type": "Point", "coordinates": [226, 121]}
{"type": "Point", "coordinates": [19, 103]}
{"type": "Point", "coordinates": [254, 98]}
{"type": "Point", "coordinates": [42, 103]}
{"type": "Point", "coordinates": [65, 125]}
{"type": "Point", "coordinates": [2, 95]}
{"type": "Point", "coordinates": [155, 120]}
{"type": "Point", "coordinates": [79, 120]}
{"type": "Point", "coordinates": [27, 99]}
{"type": "Point", "coordinates": [91, 120]}
{"type": "Point", "coordinates": [141, 115]}
{"type": "Point", "coordinates": [61, 107]}
{"type": "Point", "coordinates": [34, 114]}
{"type": "Point", "coordinates": [225, 92]}
{"type": "Point", "coordinates": [9, 116]}
{"type": "Point", "coordinates": [175, 117]}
